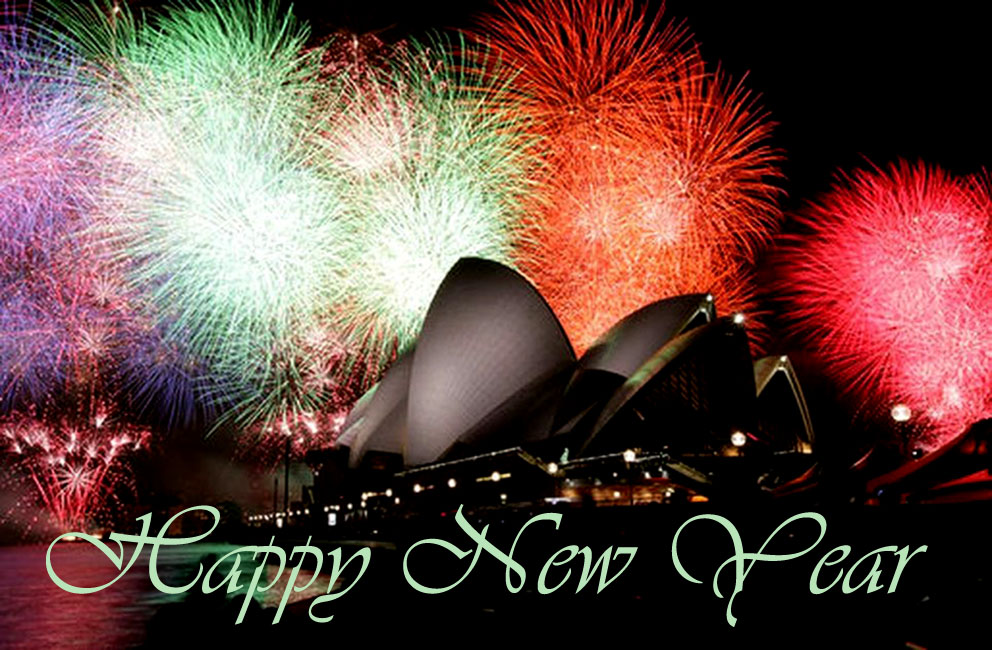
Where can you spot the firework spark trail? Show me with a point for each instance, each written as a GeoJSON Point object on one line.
{"type": "Point", "coordinates": [658, 174]}
{"type": "Point", "coordinates": [250, 206]}
{"type": "Point", "coordinates": [46, 333]}
{"type": "Point", "coordinates": [893, 286]}
{"type": "Point", "coordinates": [162, 378]}
{"type": "Point", "coordinates": [436, 174]}
{"type": "Point", "coordinates": [33, 340]}
{"type": "Point", "coordinates": [59, 347]}
{"type": "Point", "coordinates": [264, 442]}
{"type": "Point", "coordinates": [579, 62]}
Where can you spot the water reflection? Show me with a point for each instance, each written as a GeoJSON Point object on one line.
{"type": "Point", "coordinates": [36, 613]}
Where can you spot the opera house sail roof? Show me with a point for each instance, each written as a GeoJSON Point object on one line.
{"type": "Point", "coordinates": [493, 371]}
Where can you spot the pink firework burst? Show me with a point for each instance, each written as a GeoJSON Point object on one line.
{"type": "Point", "coordinates": [892, 285]}
{"type": "Point", "coordinates": [73, 472]}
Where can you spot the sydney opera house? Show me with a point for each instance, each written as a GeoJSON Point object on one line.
{"type": "Point", "coordinates": [492, 407]}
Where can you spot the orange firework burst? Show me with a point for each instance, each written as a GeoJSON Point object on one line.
{"type": "Point", "coordinates": [579, 60]}
{"type": "Point", "coordinates": [657, 173]}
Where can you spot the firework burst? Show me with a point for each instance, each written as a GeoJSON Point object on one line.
{"type": "Point", "coordinates": [892, 286]}
{"type": "Point", "coordinates": [42, 145]}
{"type": "Point", "coordinates": [72, 471]}
{"type": "Point", "coordinates": [61, 312]}
{"type": "Point", "coordinates": [212, 204]}
{"type": "Point", "coordinates": [57, 318]}
{"type": "Point", "coordinates": [324, 364]}
{"type": "Point", "coordinates": [437, 173]}
{"type": "Point", "coordinates": [658, 173]}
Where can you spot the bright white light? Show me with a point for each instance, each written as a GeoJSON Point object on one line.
{"type": "Point", "coordinates": [738, 318]}
{"type": "Point", "coordinates": [552, 468]}
{"type": "Point", "coordinates": [452, 482]}
{"type": "Point", "coordinates": [737, 439]}
{"type": "Point", "coordinates": [389, 492]}
{"type": "Point", "coordinates": [495, 476]}
{"type": "Point", "coordinates": [901, 413]}
{"type": "Point", "coordinates": [417, 488]}
{"type": "Point", "coordinates": [629, 456]}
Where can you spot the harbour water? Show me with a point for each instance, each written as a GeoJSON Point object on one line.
{"type": "Point", "coordinates": [37, 613]}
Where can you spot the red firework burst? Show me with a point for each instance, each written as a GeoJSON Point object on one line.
{"type": "Point", "coordinates": [72, 471]}
{"type": "Point", "coordinates": [657, 173]}
{"type": "Point", "coordinates": [892, 286]}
